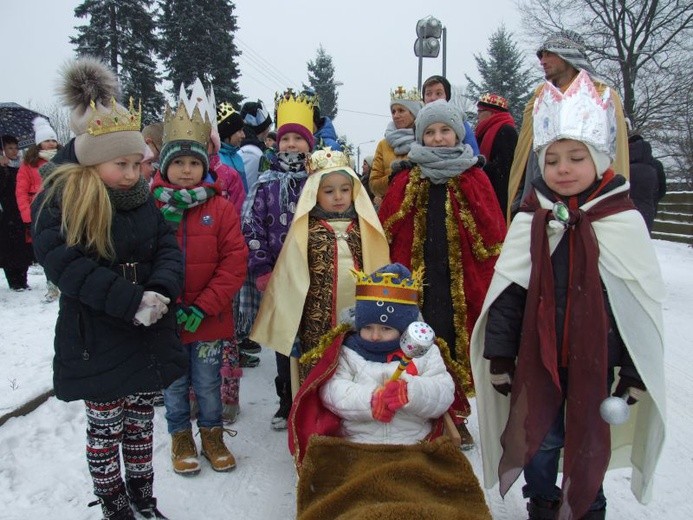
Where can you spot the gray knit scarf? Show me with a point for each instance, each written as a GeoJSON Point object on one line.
{"type": "Point", "coordinates": [440, 164]}
{"type": "Point", "coordinates": [125, 200]}
{"type": "Point", "coordinates": [400, 139]}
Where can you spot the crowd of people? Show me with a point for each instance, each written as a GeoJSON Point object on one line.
{"type": "Point", "coordinates": [179, 250]}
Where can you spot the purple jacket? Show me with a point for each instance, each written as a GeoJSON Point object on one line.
{"type": "Point", "coordinates": [268, 223]}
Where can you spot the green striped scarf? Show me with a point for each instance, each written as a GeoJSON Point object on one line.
{"type": "Point", "coordinates": [176, 201]}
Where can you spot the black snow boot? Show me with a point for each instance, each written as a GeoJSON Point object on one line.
{"type": "Point", "coordinates": [540, 509]}
{"type": "Point", "coordinates": [115, 506]}
{"type": "Point", "coordinates": [141, 499]}
{"type": "Point", "coordinates": [600, 514]}
{"type": "Point", "coordinates": [281, 418]}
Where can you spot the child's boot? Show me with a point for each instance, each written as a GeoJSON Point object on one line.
{"type": "Point", "coordinates": [281, 418]}
{"type": "Point", "coordinates": [214, 449]}
{"type": "Point", "coordinates": [184, 453]}
{"type": "Point", "coordinates": [115, 506]}
{"type": "Point", "coordinates": [140, 493]}
{"type": "Point", "coordinates": [600, 514]}
{"type": "Point", "coordinates": [540, 509]}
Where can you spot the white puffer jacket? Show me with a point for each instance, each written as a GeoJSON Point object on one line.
{"type": "Point", "coordinates": [348, 394]}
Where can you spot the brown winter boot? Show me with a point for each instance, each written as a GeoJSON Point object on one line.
{"type": "Point", "coordinates": [467, 441]}
{"type": "Point", "coordinates": [215, 450]}
{"type": "Point", "coordinates": [184, 453]}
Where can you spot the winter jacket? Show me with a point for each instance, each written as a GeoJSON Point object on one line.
{"type": "Point", "coordinates": [230, 157]}
{"type": "Point", "coordinates": [644, 184]}
{"type": "Point", "coordinates": [251, 151]}
{"type": "Point", "coordinates": [100, 354]}
{"type": "Point", "coordinates": [28, 185]}
{"type": "Point", "coordinates": [215, 256]}
{"type": "Point", "coordinates": [15, 251]}
{"type": "Point", "coordinates": [382, 167]}
{"type": "Point", "coordinates": [231, 183]}
{"type": "Point", "coordinates": [326, 135]}
{"type": "Point", "coordinates": [266, 230]}
{"type": "Point", "coordinates": [349, 391]}
{"type": "Point", "coordinates": [499, 161]}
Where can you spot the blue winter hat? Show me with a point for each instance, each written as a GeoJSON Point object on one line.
{"type": "Point", "coordinates": [388, 296]}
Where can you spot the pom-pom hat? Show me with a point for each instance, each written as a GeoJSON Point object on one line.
{"type": "Point", "coordinates": [43, 130]}
{"type": "Point", "coordinates": [439, 111]}
{"type": "Point", "coordinates": [104, 129]}
{"type": "Point", "coordinates": [389, 296]}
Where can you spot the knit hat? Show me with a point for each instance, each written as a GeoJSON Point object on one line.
{"type": "Point", "coordinates": [570, 46]}
{"type": "Point", "coordinates": [492, 103]}
{"type": "Point", "coordinates": [369, 160]}
{"type": "Point", "coordinates": [182, 148]}
{"type": "Point", "coordinates": [439, 111]}
{"type": "Point", "coordinates": [255, 116]}
{"type": "Point", "coordinates": [389, 296]}
{"type": "Point", "coordinates": [295, 114]}
{"type": "Point", "coordinates": [229, 120]}
{"type": "Point", "coordinates": [104, 129]}
{"type": "Point", "coordinates": [43, 130]}
{"type": "Point", "coordinates": [438, 79]}
{"type": "Point", "coordinates": [409, 99]}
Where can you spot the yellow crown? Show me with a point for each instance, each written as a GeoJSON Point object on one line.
{"type": "Point", "coordinates": [327, 158]}
{"type": "Point", "coordinates": [224, 110]}
{"type": "Point", "coordinates": [119, 119]}
{"type": "Point", "coordinates": [293, 108]}
{"type": "Point", "coordinates": [403, 94]}
{"type": "Point", "coordinates": [191, 121]}
{"type": "Point", "coordinates": [381, 287]}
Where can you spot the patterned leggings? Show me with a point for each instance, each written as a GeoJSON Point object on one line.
{"type": "Point", "coordinates": [128, 422]}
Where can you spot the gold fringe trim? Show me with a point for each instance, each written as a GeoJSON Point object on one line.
{"type": "Point", "coordinates": [462, 379]}
{"type": "Point", "coordinates": [480, 250]}
{"type": "Point", "coordinates": [313, 355]}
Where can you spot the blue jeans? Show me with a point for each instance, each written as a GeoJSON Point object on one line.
{"type": "Point", "coordinates": [203, 374]}
{"type": "Point", "coordinates": [541, 472]}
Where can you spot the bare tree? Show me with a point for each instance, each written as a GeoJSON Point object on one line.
{"type": "Point", "coordinates": [59, 117]}
{"type": "Point", "coordinates": [641, 47]}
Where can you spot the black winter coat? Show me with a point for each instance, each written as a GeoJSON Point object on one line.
{"type": "Point", "coordinates": [497, 166]}
{"type": "Point", "coordinates": [15, 251]}
{"type": "Point", "coordinates": [100, 355]}
{"type": "Point", "coordinates": [644, 183]}
{"type": "Point", "coordinates": [505, 316]}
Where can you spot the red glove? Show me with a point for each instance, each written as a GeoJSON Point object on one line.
{"type": "Point", "coordinates": [395, 394]}
{"type": "Point", "coordinates": [379, 407]}
{"type": "Point", "coordinates": [262, 281]}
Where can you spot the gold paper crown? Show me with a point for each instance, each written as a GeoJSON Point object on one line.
{"type": "Point", "coordinates": [327, 158]}
{"type": "Point", "coordinates": [119, 119]}
{"type": "Point", "coordinates": [381, 287]}
{"type": "Point", "coordinates": [191, 121]}
{"type": "Point", "coordinates": [403, 94]}
{"type": "Point", "coordinates": [224, 110]}
{"type": "Point", "coordinates": [293, 108]}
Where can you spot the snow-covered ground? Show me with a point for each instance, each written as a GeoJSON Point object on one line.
{"type": "Point", "coordinates": [43, 472]}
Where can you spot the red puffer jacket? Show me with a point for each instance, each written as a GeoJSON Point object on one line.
{"type": "Point", "coordinates": [28, 185]}
{"type": "Point", "coordinates": [215, 257]}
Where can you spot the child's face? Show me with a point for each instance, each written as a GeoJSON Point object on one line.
{"type": "Point", "coordinates": [120, 173]}
{"type": "Point", "coordinates": [293, 142]}
{"type": "Point", "coordinates": [11, 150]}
{"type": "Point", "coordinates": [377, 333]}
{"type": "Point", "coordinates": [335, 193]}
{"type": "Point", "coordinates": [438, 135]}
{"type": "Point", "coordinates": [185, 171]}
{"type": "Point", "coordinates": [50, 144]}
{"type": "Point", "coordinates": [401, 116]}
{"type": "Point", "coordinates": [433, 92]}
{"type": "Point", "coordinates": [236, 138]}
{"type": "Point", "coordinates": [568, 167]}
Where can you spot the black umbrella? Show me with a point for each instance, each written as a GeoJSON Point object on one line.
{"type": "Point", "coordinates": [16, 120]}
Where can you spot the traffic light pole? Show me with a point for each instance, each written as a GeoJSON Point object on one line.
{"type": "Point", "coordinates": [420, 40]}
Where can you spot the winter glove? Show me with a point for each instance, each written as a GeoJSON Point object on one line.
{"type": "Point", "coordinates": [395, 394]}
{"type": "Point", "coordinates": [379, 408]}
{"type": "Point", "coordinates": [182, 315]}
{"type": "Point", "coordinates": [152, 307]}
{"type": "Point", "coordinates": [195, 317]}
{"type": "Point", "coordinates": [262, 281]}
{"type": "Point", "coordinates": [631, 386]}
{"type": "Point", "coordinates": [502, 374]}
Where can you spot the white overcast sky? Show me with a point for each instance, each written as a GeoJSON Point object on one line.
{"type": "Point", "coordinates": [371, 43]}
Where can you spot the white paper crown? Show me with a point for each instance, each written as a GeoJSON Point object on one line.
{"type": "Point", "coordinates": [580, 113]}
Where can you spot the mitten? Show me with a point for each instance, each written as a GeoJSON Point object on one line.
{"type": "Point", "coordinates": [152, 307]}
{"type": "Point", "coordinates": [195, 317]}
{"type": "Point", "coordinates": [633, 387]}
{"type": "Point", "coordinates": [182, 315]}
{"type": "Point", "coordinates": [502, 373]}
{"type": "Point", "coordinates": [379, 408]}
{"type": "Point", "coordinates": [395, 394]}
{"type": "Point", "coordinates": [262, 281]}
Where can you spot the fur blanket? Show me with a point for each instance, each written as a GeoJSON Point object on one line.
{"type": "Point", "coordinates": [348, 481]}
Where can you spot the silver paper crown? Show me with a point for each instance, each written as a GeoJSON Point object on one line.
{"type": "Point", "coordinates": [580, 113]}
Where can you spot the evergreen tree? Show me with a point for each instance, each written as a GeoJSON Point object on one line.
{"type": "Point", "coordinates": [122, 34]}
{"type": "Point", "coordinates": [321, 79]}
{"type": "Point", "coordinates": [504, 73]}
{"type": "Point", "coordinates": [198, 42]}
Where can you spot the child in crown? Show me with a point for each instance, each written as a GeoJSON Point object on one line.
{"type": "Point", "coordinates": [335, 229]}
{"type": "Point", "coordinates": [353, 377]}
{"type": "Point", "coordinates": [209, 234]}
{"type": "Point", "coordinates": [576, 293]}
